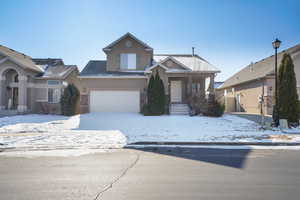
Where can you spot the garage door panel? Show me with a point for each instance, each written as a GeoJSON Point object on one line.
{"type": "Point", "coordinates": [114, 101]}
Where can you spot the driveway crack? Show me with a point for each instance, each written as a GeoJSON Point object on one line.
{"type": "Point", "coordinates": [110, 185]}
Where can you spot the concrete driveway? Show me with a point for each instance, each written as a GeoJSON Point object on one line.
{"type": "Point", "coordinates": [154, 173]}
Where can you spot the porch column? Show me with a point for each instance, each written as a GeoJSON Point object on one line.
{"type": "Point", "coordinates": [190, 82]}
{"type": "Point", "coordinates": [22, 101]}
{"type": "Point", "coordinates": [202, 86]}
{"type": "Point", "coordinates": [211, 85]}
{"type": "Point", "coordinates": [2, 92]}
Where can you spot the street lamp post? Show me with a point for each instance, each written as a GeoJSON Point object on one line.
{"type": "Point", "coordinates": [276, 44]}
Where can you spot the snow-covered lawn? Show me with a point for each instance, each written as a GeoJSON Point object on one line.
{"type": "Point", "coordinates": [115, 130]}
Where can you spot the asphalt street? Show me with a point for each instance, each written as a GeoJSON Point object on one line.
{"type": "Point", "coordinates": [154, 173]}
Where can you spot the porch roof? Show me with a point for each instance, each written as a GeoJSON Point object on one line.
{"type": "Point", "coordinates": [19, 58]}
{"type": "Point", "coordinates": [194, 63]}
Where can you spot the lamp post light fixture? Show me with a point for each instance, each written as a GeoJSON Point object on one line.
{"type": "Point", "coordinates": [276, 44]}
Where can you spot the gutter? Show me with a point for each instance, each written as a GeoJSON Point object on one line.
{"type": "Point", "coordinates": [112, 77]}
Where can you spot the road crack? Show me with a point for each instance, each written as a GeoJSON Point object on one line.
{"type": "Point", "coordinates": [110, 185]}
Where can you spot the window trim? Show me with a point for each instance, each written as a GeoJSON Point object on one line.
{"type": "Point", "coordinates": [126, 57]}
{"type": "Point", "coordinates": [58, 82]}
{"type": "Point", "coordinates": [53, 102]}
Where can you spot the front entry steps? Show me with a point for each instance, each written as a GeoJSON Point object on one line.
{"type": "Point", "coordinates": [179, 109]}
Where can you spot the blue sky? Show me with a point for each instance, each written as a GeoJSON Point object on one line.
{"type": "Point", "coordinates": [229, 34]}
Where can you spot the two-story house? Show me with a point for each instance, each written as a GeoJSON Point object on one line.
{"type": "Point", "coordinates": [119, 83]}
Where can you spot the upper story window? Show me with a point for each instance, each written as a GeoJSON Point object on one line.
{"type": "Point", "coordinates": [128, 61]}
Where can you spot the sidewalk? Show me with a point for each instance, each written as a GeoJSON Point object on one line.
{"type": "Point", "coordinates": [217, 143]}
{"type": "Point", "coordinates": [253, 117]}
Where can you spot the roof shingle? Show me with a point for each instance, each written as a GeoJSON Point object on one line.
{"type": "Point", "coordinates": [195, 63]}
{"type": "Point", "coordinates": [20, 58]}
{"type": "Point", "coordinates": [258, 70]}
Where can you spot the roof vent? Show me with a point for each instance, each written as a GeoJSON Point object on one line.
{"type": "Point", "coordinates": [251, 67]}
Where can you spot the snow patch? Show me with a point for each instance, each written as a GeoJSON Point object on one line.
{"type": "Point", "coordinates": [115, 130]}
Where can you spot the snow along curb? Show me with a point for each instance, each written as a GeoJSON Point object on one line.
{"type": "Point", "coordinates": [17, 149]}
{"type": "Point", "coordinates": [150, 144]}
{"type": "Point", "coordinates": [216, 143]}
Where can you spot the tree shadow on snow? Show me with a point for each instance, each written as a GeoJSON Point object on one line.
{"type": "Point", "coordinates": [235, 158]}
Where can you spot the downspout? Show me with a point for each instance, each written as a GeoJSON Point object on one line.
{"type": "Point", "coordinates": [262, 104]}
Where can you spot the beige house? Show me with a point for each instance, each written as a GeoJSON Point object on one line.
{"type": "Point", "coordinates": [245, 90]}
{"type": "Point", "coordinates": [32, 85]}
{"type": "Point", "coordinates": [119, 83]}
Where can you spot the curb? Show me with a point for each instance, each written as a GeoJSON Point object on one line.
{"type": "Point", "coordinates": [217, 143]}
{"type": "Point", "coordinates": [16, 149]}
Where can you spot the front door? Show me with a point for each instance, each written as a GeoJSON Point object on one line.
{"type": "Point", "coordinates": [15, 97]}
{"type": "Point", "coordinates": [176, 91]}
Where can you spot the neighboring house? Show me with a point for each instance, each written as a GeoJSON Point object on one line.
{"type": "Point", "coordinates": [243, 91]}
{"type": "Point", "coordinates": [32, 85]}
{"type": "Point", "coordinates": [119, 83]}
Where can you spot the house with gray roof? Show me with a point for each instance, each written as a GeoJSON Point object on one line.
{"type": "Point", "coordinates": [119, 83]}
{"type": "Point", "coordinates": [251, 89]}
{"type": "Point", "coordinates": [32, 85]}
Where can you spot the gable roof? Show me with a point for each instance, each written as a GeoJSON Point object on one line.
{"type": "Point", "coordinates": [175, 61]}
{"type": "Point", "coordinates": [259, 69]}
{"type": "Point", "coordinates": [94, 67]}
{"type": "Point", "coordinates": [58, 71]}
{"type": "Point", "coordinates": [147, 47]}
{"type": "Point", "coordinates": [19, 58]}
{"type": "Point", "coordinates": [191, 62]}
{"type": "Point", "coordinates": [48, 61]}
{"type": "Point", "coordinates": [156, 65]}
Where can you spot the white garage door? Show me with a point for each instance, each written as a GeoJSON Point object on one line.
{"type": "Point", "coordinates": [114, 101]}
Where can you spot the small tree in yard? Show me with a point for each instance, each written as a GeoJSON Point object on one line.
{"type": "Point", "coordinates": [69, 100]}
{"type": "Point", "coordinates": [160, 95]}
{"type": "Point", "coordinates": [155, 96]}
{"type": "Point", "coordinates": [287, 91]}
{"type": "Point", "coordinates": [150, 91]}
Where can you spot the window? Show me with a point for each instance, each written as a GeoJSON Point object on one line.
{"type": "Point", "coordinates": [16, 78]}
{"type": "Point", "coordinates": [128, 61]}
{"type": "Point", "coordinates": [54, 95]}
{"type": "Point", "coordinates": [194, 88]}
{"type": "Point", "coordinates": [53, 82]}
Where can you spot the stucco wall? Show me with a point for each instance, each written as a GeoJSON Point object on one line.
{"type": "Point", "coordinates": [113, 57]}
{"type": "Point", "coordinates": [249, 97]}
{"type": "Point", "coordinates": [39, 94]}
